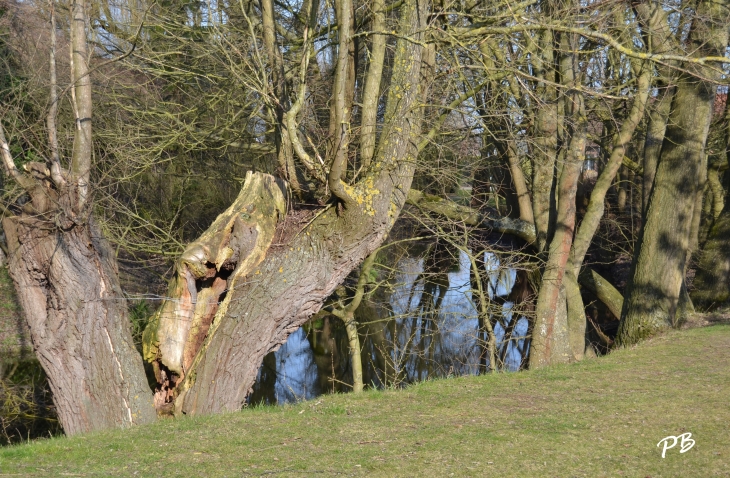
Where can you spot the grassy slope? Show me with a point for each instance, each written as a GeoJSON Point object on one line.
{"type": "Point", "coordinates": [601, 417]}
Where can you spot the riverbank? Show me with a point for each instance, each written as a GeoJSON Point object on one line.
{"type": "Point", "coordinates": [600, 417]}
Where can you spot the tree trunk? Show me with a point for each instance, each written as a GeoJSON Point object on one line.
{"type": "Point", "coordinates": [550, 341]}
{"type": "Point", "coordinates": [546, 141]}
{"type": "Point", "coordinates": [275, 287]}
{"type": "Point", "coordinates": [549, 345]}
{"type": "Point", "coordinates": [712, 282]}
{"type": "Point", "coordinates": [604, 290]}
{"type": "Point", "coordinates": [659, 39]}
{"type": "Point", "coordinates": [65, 274]}
{"type": "Point", "coordinates": [597, 204]}
{"type": "Point", "coordinates": [658, 115]}
{"type": "Point", "coordinates": [576, 319]}
{"type": "Point", "coordinates": [652, 295]}
{"type": "Point", "coordinates": [68, 287]}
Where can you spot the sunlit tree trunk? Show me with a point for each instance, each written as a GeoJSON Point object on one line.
{"type": "Point", "coordinates": [66, 276]}
{"type": "Point", "coordinates": [652, 295]}
{"type": "Point", "coordinates": [275, 287]}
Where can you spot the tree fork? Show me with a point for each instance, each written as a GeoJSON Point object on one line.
{"type": "Point", "coordinates": [292, 280]}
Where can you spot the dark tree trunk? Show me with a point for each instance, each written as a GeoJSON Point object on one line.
{"type": "Point", "coordinates": [712, 282]}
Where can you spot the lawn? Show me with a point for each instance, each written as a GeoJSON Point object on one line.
{"type": "Point", "coordinates": [599, 417]}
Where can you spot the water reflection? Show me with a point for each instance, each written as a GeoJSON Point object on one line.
{"type": "Point", "coordinates": [422, 322]}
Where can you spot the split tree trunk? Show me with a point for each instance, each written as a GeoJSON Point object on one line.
{"type": "Point", "coordinates": [551, 337]}
{"type": "Point", "coordinates": [252, 311]}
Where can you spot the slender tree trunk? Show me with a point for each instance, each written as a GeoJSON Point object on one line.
{"type": "Point", "coordinates": [658, 115]}
{"type": "Point", "coordinates": [371, 93]}
{"type": "Point", "coordinates": [604, 290]}
{"type": "Point", "coordinates": [519, 184]}
{"type": "Point", "coordinates": [652, 294]}
{"type": "Point", "coordinates": [597, 203]}
{"type": "Point", "coordinates": [347, 314]}
{"type": "Point", "coordinates": [546, 141]}
{"type": "Point", "coordinates": [659, 39]}
{"type": "Point", "coordinates": [622, 189]}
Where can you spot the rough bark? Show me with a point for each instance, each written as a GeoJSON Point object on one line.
{"type": "Point", "coordinates": [652, 295]}
{"type": "Point", "coordinates": [207, 272]}
{"type": "Point", "coordinates": [293, 278]}
{"type": "Point", "coordinates": [66, 277]}
{"type": "Point", "coordinates": [712, 281]}
{"type": "Point", "coordinates": [68, 287]}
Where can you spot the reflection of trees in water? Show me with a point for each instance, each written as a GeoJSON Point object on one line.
{"type": "Point", "coordinates": [420, 323]}
{"type": "Point", "coordinates": [288, 375]}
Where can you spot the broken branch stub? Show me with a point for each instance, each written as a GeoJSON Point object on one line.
{"type": "Point", "coordinates": [198, 296]}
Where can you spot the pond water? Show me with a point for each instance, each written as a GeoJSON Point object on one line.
{"type": "Point", "coordinates": [421, 322]}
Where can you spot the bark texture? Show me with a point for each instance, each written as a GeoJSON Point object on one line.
{"type": "Point", "coordinates": [65, 274]}
{"type": "Point", "coordinates": [68, 287]}
{"type": "Point", "coordinates": [207, 273]}
{"type": "Point", "coordinates": [652, 295]}
{"type": "Point", "coordinates": [291, 280]}
{"type": "Point", "coordinates": [712, 281]}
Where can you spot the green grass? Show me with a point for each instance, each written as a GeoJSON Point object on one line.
{"type": "Point", "coordinates": [600, 417]}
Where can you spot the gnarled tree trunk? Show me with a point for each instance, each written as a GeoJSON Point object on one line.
{"type": "Point", "coordinates": [283, 284]}
{"type": "Point", "coordinates": [67, 284]}
{"type": "Point", "coordinates": [65, 274]}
